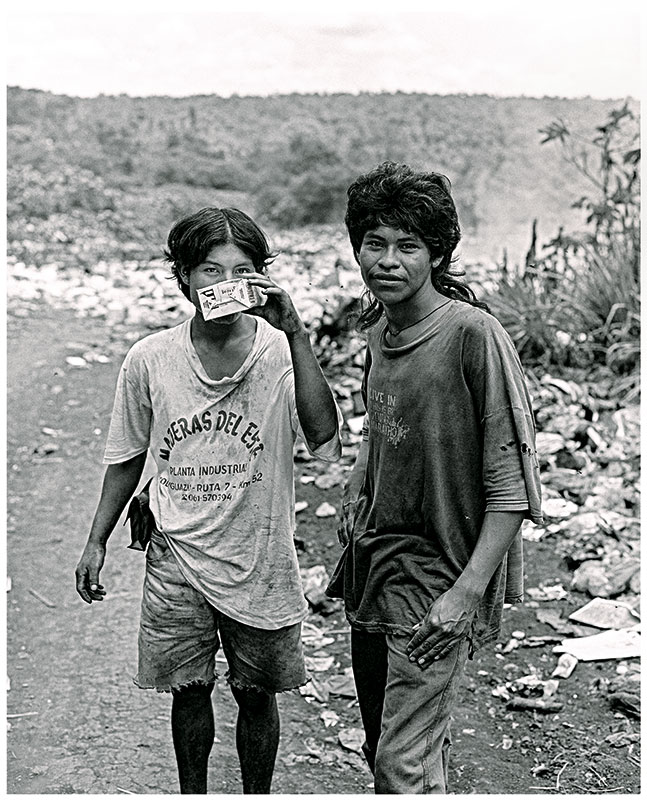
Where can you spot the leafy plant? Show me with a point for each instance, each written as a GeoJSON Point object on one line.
{"type": "Point", "coordinates": [577, 299]}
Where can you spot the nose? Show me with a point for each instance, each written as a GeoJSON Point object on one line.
{"type": "Point", "coordinates": [389, 257]}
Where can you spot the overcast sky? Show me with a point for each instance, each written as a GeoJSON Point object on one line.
{"type": "Point", "coordinates": [570, 48]}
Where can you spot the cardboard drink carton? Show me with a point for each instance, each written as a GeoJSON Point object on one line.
{"type": "Point", "coordinates": [229, 297]}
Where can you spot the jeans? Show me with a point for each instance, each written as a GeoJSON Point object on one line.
{"type": "Point", "coordinates": [406, 712]}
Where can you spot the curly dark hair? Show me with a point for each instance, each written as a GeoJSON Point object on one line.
{"type": "Point", "coordinates": [395, 195]}
{"type": "Point", "coordinates": [192, 237]}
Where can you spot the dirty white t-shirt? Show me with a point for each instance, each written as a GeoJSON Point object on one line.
{"type": "Point", "coordinates": [223, 495]}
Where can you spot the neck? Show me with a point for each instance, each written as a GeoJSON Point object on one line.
{"type": "Point", "coordinates": [221, 333]}
{"type": "Point", "coordinates": [405, 315]}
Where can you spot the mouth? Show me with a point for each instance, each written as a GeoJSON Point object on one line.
{"type": "Point", "coordinates": [388, 281]}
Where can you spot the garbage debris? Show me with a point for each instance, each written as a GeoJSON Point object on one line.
{"type": "Point", "coordinates": [566, 663]}
{"type": "Point", "coordinates": [351, 739]}
{"type": "Point", "coordinates": [319, 663]}
{"type": "Point", "coordinates": [555, 592]}
{"type": "Point", "coordinates": [330, 718]}
{"type": "Point", "coordinates": [611, 644]}
{"type": "Point", "coordinates": [626, 702]}
{"type": "Point", "coordinates": [315, 580]}
{"type": "Point", "coordinates": [342, 685]}
{"type": "Point", "coordinates": [600, 579]}
{"type": "Point", "coordinates": [602, 613]}
{"type": "Point", "coordinates": [326, 510]}
{"type": "Point", "coordinates": [535, 704]}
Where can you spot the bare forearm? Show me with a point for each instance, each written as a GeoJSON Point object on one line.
{"type": "Point", "coordinates": [315, 404]}
{"type": "Point", "coordinates": [119, 484]}
{"type": "Point", "coordinates": [497, 534]}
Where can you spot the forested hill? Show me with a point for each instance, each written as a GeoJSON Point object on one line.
{"type": "Point", "coordinates": [292, 156]}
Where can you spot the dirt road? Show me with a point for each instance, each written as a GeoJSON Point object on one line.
{"type": "Point", "coordinates": [79, 726]}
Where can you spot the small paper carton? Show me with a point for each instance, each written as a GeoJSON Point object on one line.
{"type": "Point", "coordinates": [229, 297]}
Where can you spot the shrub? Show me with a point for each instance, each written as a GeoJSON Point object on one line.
{"type": "Point", "coordinates": [577, 301]}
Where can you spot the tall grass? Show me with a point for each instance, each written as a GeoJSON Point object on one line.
{"type": "Point", "coordinates": [576, 300]}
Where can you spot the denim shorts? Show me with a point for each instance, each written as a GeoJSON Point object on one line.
{"type": "Point", "coordinates": [180, 634]}
{"type": "Point", "coordinates": [406, 712]}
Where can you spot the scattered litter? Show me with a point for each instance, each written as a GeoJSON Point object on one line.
{"type": "Point", "coordinates": [601, 613]}
{"type": "Point", "coordinates": [351, 739]}
{"type": "Point", "coordinates": [342, 685]}
{"type": "Point", "coordinates": [622, 739]}
{"type": "Point", "coordinates": [624, 643]}
{"type": "Point", "coordinates": [507, 742]}
{"type": "Point", "coordinates": [355, 425]}
{"type": "Point", "coordinates": [535, 704]}
{"type": "Point", "coordinates": [549, 443]}
{"type": "Point", "coordinates": [627, 702]}
{"type": "Point", "coordinates": [605, 580]}
{"type": "Point", "coordinates": [566, 663]}
{"type": "Point", "coordinates": [312, 636]}
{"type": "Point", "coordinates": [42, 599]}
{"type": "Point", "coordinates": [553, 617]}
{"type": "Point", "coordinates": [319, 663]}
{"type": "Point", "coordinates": [328, 480]}
{"type": "Point", "coordinates": [46, 449]}
{"type": "Point", "coordinates": [305, 479]}
{"type": "Point", "coordinates": [8, 583]}
{"type": "Point", "coordinates": [315, 580]}
{"type": "Point", "coordinates": [330, 718]}
{"type": "Point", "coordinates": [23, 714]}
{"type": "Point", "coordinates": [50, 431]}
{"type": "Point", "coordinates": [326, 510]}
{"type": "Point", "coordinates": [300, 505]}
{"type": "Point", "coordinates": [316, 689]}
{"type": "Point", "coordinates": [558, 508]}
{"type": "Point", "coordinates": [556, 592]}
{"type": "Point", "coordinates": [76, 361]}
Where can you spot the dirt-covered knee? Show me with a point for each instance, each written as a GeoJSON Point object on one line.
{"type": "Point", "coordinates": [253, 700]}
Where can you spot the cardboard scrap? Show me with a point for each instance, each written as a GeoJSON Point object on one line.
{"type": "Point", "coordinates": [603, 613]}
{"type": "Point", "coordinates": [624, 643]}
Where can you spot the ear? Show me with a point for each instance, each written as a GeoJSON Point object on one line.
{"type": "Point", "coordinates": [436, 262]}
{"type": "Point", "coordinates": [183, 272]}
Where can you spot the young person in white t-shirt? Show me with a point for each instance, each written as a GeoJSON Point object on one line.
{"type": "Point", "coordinates": [219, 404]}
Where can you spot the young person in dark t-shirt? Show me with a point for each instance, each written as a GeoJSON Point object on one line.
{"type": "Point", "coordinates": [445, 474]}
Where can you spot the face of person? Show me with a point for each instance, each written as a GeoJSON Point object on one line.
{"type": "Point", "coordinates": [394, 264]}
{"type": "Point", "coordinates": [225, 262]}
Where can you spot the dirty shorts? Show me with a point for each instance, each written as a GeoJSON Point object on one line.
{"type": "Point", "coordinates": [180, 634]}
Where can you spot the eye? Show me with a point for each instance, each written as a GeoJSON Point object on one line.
{"type": "Point", "coordinates": [245, 270]}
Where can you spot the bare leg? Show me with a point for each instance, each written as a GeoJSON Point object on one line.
{"type": "Point", "coordinates": [193, 733]}
{"type": "Point", "coordinates": [257, 738]}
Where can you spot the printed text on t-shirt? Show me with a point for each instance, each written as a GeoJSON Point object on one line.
{"type": "Point", "coordinates": [382, 417]}
{"type": "Point", "coordinates": [226, 422]}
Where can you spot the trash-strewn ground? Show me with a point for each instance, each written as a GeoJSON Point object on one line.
{"type": "Point", "coordinates": [531, 719]}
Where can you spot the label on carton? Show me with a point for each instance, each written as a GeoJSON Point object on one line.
{"type": "Point", "coordinates": [229, 297]}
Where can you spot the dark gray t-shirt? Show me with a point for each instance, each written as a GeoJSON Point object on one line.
{"type": "Point", "coordinates": [451, 436]}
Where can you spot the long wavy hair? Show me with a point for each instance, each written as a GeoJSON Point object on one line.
{"type": "Point", "coordinates": [395, 195]}
{"type": "Point", "coordinates": [192, 238]}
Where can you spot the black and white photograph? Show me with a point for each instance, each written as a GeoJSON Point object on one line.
{"type": "Point", "coordinates": [322, 421]}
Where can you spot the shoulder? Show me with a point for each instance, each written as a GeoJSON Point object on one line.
{"type": "Point", "coordinates": [155, 347]}
{"type": "Point", "coordinates": [158, 342]}
{"type": "Point", "coordinates": [272, 344]}
{"type": "Point", "coordinates": [478, 325]}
